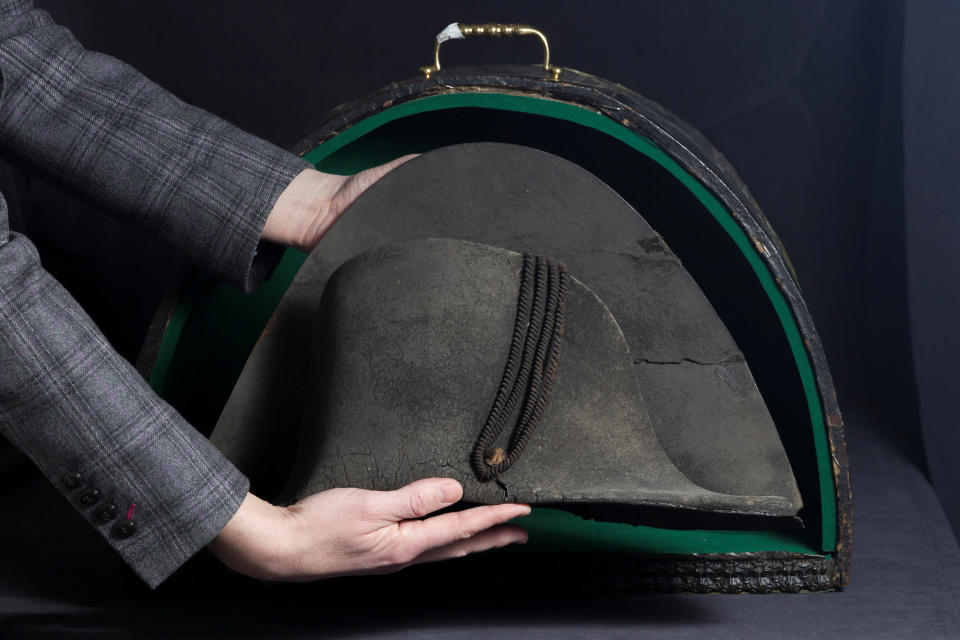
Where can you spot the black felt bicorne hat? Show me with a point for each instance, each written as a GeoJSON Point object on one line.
{"type": "Point", "coordinates": [497, 315]}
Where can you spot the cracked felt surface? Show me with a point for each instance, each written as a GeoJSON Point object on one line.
{"type": "Point", "coordinates": [523, 199]}
{"type": "Point", "coordinates": [410, 344]}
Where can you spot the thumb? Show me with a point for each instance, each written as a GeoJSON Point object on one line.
{"type": "Point", "coordinates": [418, 499]}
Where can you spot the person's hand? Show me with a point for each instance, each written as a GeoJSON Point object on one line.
{"type": "Point", "coordinates": [354, 531]}
{"type": "Point", "coordinates": [313, 201]}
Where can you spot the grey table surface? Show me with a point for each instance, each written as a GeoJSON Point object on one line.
{"type": "Point", "coordinates": [57, 581]}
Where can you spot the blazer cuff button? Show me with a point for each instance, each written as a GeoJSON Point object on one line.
{"type": "Point", "coordinates": [124, 529]}
{"type": "Point", "coordinates": [106, 513]}
{"type": "Point", "coordinates": [90, 497]}
{"type": "Point", "coordinates": [73, 480]}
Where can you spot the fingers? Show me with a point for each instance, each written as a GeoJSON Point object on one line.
{"type": "Point", "coordinates": [362, 181]}
{"type": "Point", "coordinates": [349, 531]}
{"type": "Point", "coordinates": [499, 536]}
{"type": "Point", "coordinates": [312, 204]}
{"type": "Point", "coordinates": [420, 536]}
{"type": "Point", "coordinates": [417, 499]}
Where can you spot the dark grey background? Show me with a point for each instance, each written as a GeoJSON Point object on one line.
{"type": "Point", "coordinates": [840, 115]}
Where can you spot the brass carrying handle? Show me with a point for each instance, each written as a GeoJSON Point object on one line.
{"type": "Point", "coordinates": [458, 31]}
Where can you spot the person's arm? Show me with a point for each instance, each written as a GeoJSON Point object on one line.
{"type": "Point", "coordinates": [97, 127]}
{"type": "Point", "coordinates": [141, 475]}
{"type": "Point", "coordinates": [154, 487]}
{"type": "Point", "coordinates": [314, 200]}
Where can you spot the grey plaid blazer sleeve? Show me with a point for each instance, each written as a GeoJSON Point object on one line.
{"type": "Point", "coordinates": [145, 479]}
{"type": "Point", "coordinates": [96, 126]}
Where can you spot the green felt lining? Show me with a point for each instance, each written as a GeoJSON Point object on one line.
{"type": "Point", "coordinates": [550, 529]}
{"type": "Point", "coordinates": [554, 530]}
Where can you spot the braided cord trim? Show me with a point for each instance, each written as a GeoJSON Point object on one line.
{"type": "Point", "coordinates": [531, 368]}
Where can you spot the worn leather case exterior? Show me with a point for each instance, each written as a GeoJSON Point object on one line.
{"type": "Point", "coordinates": [673, 176]}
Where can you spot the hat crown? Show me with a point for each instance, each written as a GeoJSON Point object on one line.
{"type": "Point", "coordinates": [411, 343]}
